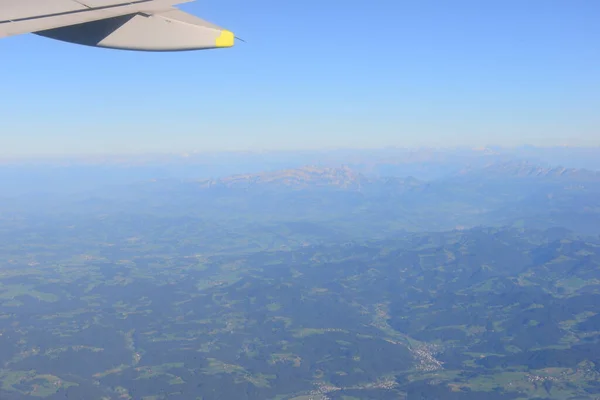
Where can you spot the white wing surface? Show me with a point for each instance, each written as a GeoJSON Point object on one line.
{"type": "Point", "coordinates": [144, 25]}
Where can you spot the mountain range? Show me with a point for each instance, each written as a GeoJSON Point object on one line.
{"type": "Point", "coordinates": [348, 178]}
{"type": "Point", "coordinates": [321, 204]}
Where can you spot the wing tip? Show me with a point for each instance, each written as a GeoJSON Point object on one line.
{"type": "Point", "coordinates": [225, 39]}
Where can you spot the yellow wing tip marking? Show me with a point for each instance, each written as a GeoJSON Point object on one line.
{"type": "Point", "coordinates": [225, 39]}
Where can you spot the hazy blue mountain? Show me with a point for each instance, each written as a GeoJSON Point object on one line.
{"type": "Point", "coordinates": [343, 199]}
{"type": "Point", "coordinates": [61, 174]}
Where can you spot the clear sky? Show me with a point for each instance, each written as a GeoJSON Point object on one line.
{"type": "Point", "coordinates": [315, 74]}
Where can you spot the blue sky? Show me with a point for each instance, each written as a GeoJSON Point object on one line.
{"type": "Point", "coordinates": [319, 74]}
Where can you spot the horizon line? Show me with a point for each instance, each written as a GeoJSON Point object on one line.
{"type": "Point", "coordinates": [189, 153]}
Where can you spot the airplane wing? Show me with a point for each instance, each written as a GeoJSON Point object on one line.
{"type": "Point", "coordinates": [143, 25]}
